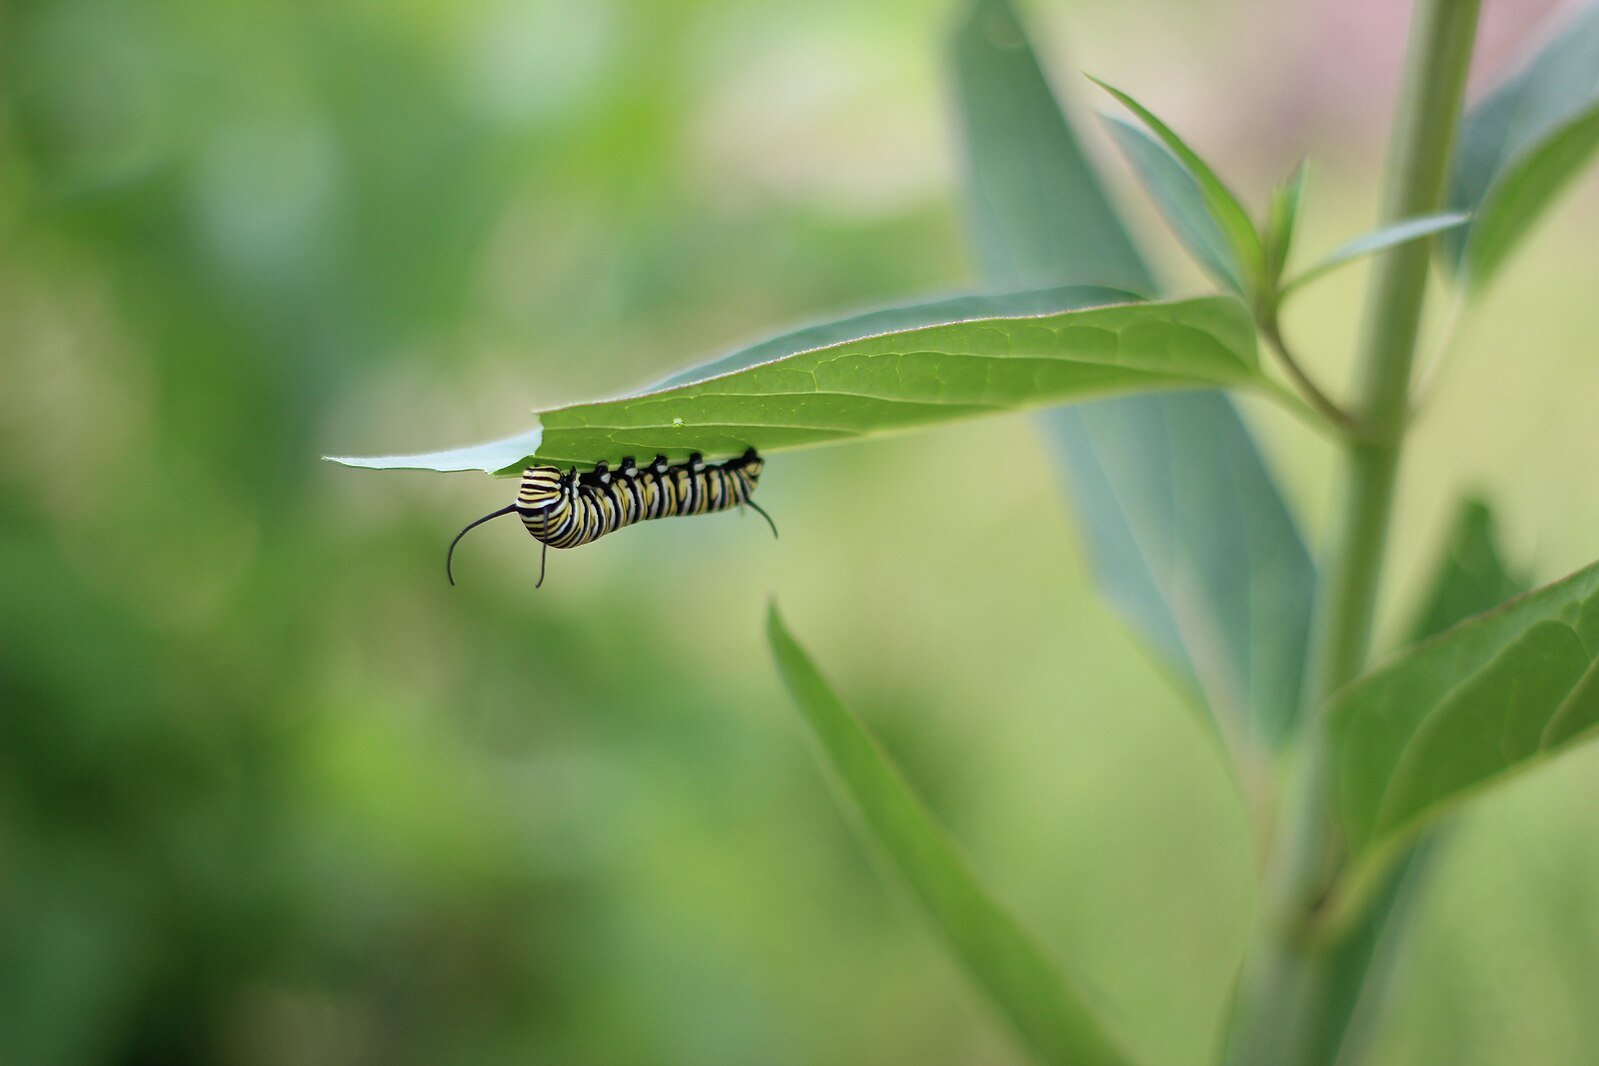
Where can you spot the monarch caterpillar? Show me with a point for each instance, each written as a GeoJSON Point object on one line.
{"type": "Point", "coordinates": [572, 509]}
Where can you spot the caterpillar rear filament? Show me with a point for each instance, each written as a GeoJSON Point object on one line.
{"type": "Point", "coordinates": [572, 509]}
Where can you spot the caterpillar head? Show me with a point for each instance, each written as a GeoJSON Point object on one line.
{"type": "Point", "coordinates": [542, 486]}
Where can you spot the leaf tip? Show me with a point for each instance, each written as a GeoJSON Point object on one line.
{"type": "Point", "coordinates": [354, 461]}
{"type": "Point", "coordinates": [1300, 173]}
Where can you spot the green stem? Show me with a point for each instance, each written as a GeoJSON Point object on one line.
{"type": "Point", "coordinates": [1421, 152]}
{"type": "Point", "coordinates": [1302, 991]}
{"type": "Point", "coordinates": [1336, 417]}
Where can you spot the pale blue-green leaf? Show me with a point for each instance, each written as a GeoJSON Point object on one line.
{"type": "Point", "coordinates": [1523, 143]}
{"type": "Point", "coordinates": [1027, 173]}
{"type": "Point", "coordinates": [1193, 543]}
{"type": "Point", "coordinates": [1210, 569]}
{"type": "Point", "coordinates": [490, 457]}
{"type": "Point", "coordinates": [1490, 696]}
{"type": "Point", "coordinates": [1054, 1019]}
{"type": "Point", "coordinates": [1411, 229]}
{"type": "Point", "coordinates": [1180, 200]}
{"type": "Point", "coordinates": [1223, 206]}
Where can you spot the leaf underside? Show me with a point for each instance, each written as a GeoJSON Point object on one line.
{"type": "Point", "coordinates": [1401, 232]}
{"type": "Point", "coordinates": [903, 380]}
{"type": "Point", "coordinates": [1180, 199]}
{"type": "Point", "coordinates": [1223, 206]}
{"type": "Point", "coordinates": [1190, 539]}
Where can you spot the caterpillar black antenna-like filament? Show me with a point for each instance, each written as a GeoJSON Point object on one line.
{"type": "Point", "coordinates": [568, 510]}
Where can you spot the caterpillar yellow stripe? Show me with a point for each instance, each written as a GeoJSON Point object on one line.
{"type": "Point", "coordinates": [568, 510]}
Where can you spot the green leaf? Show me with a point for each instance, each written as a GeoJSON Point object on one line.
{"type": "Point", "coordinates": [1194, 546]}
{"type": "Point", "coordinates": [1283, 218]}
{"type": "Point", "coordinates": [1190, 539]}
{"type": "Point", "coordinates": [1411, 229]}
{"type": "Point", "coordinates": [1470, 577]}
{"type": "Point", "coordinates": [1523, 144]}
{"type": "Point", "coordinates": [1180, 199]}
{"type": "Point", "coordinates": [1223, 206]}
{"type": "Point", "coordinates": [1522, 192]}
{"type": "Point", "coordinates": [1490, 696]}
{"type": "Point", "coordinates": [1027, 172]}
{"type": "Point", "coordinates": [870, 323]}
{"type": "Point", "coordinates": [1053, 1018]}
{"type": "Point", "coordinates": [1365, 961]}
{"type": "Point", "coordinates": [903, 380]}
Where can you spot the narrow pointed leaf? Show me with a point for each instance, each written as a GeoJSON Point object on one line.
{"type": "Point", "coordinates": [1193, 545]}
{"type": "Point", "coordinates": [1524, 190]}
{"type": "Point", "coordinates": [1224, 207]}
{"type": "Point", "coordinates": [1470, 577]}
{"type": "Point", "coordinates": [1411, 229]}
{"type": "Point", "coordinates": [1027, 171]}
{"type": "Point", "coordinates": [1053, 1019]}
{"type": "Point", "coordinates": [1283, 219]}
{"type": "Point", "coordinates": [907, 379]}
{"type": "Point", "coordinates": [1181, 201]}
{"type": "Point", "coordinates": [1189, 537]}
{"type": "Point", "coordinates": [1493, 695]}
{"type": "Point", "coordinates": [1523, 144]}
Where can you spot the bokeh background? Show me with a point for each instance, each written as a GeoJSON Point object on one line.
{"type": "Point", "coordinates": [272, 793]}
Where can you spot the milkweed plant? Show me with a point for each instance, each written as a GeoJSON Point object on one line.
{"type": "Point", "coordinates": [1367, 762]}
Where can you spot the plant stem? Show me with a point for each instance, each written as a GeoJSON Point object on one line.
{"type": "Point", "coordinates": [1418, 172]}
{"type": "Point", "coordinates": [1303, 992]}
{"type": "Point", "coordinates": [1335, 415]}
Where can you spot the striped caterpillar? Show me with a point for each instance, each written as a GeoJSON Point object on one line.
{"type": "Point", "coordinates": [572, 509]}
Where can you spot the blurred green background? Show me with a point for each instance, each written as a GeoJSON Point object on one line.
{"type": "Point", "coordinates": [271, 792]}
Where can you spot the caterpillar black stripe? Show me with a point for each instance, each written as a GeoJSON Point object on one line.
{"type": "Point", "coordinates": [568, 510]}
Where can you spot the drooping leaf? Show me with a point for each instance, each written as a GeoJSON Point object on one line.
{"type": "Point", "coordinates": [1190, 538]}
{"type": "Point", "coordinates": [1054, 1019]}
{"type": "Point", "coordinates": [1522, 145]}
{"type": "Point", "coordinates": [1027, 174]}
{"type": "Point", "coordinates": [1490, 696]}
{"type": "Point", "coordinates": [1181, 201]}
{"type": "Point", "coordinates": [1193, 544]}
{"type": "Point", "coordinates": [1223, 206]}
{"type": "Point", "coordinates": [902, 380]}
{"type": "Point", "coordinates": [1411, 229]}
{"type": "Point", "coordinates": [1470, 577]}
